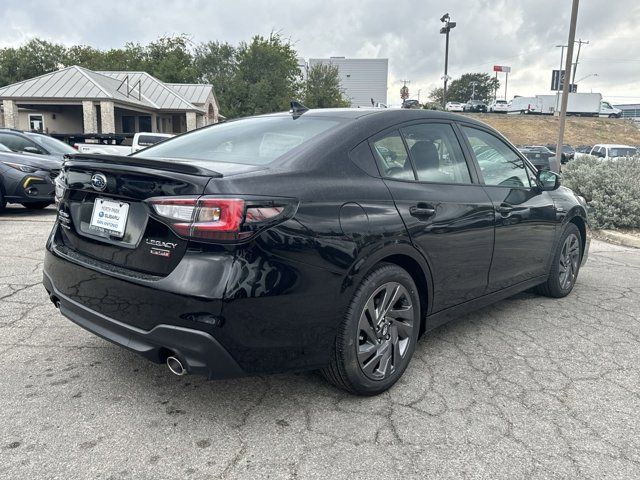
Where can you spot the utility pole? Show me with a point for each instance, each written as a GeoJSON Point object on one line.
{"type": "Point", "coordinates": [575, 65]}
{"type": "Point", "coordinates": [448, 25]}
{"type": "Point", "coordinates": [473, 89]}
{"type": "Point", "coordinates": [565, 86]}
{"type": "Point", "coordinates": [559, 76]}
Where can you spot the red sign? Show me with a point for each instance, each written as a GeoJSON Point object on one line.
{"type": "Point", "coordinates": [501, 68]}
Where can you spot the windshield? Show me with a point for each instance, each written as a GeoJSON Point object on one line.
{"type": "Point", "coordinates": [252, 141]}
{"type": "Point", "coordinates": [51, 144]}
{"type": "Point", "coordinates": [622, 152]}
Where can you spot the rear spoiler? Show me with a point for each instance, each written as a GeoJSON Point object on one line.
{"type": "Point", "coordinates": [166, 164]}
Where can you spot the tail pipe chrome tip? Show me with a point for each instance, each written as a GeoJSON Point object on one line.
{"type": "Point", "coordinates": [175, 366]}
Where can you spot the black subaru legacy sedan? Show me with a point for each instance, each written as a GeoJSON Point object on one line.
{"type": "Point", "coordinates": [314, 239]}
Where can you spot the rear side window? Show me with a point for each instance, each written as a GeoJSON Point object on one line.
{"type": "Point", "coordinates": [392, 157]}
{"type": "Point", "coordinates": [436, 153]}
{"type": "Point", "coordinates": [500, 165]}
{"type": "Point", "coordinates": [253, 141]}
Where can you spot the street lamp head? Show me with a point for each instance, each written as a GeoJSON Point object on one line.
{"type": "Point", "coordinates": [444, 18]}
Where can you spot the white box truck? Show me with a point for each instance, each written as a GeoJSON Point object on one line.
{"type": "Point", "coordinates": [579, 104]}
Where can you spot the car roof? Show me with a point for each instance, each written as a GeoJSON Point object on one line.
{"type": "Point", "coordinates": [393, 114]}
{"type": "Point", "coordinates": [613, 145]}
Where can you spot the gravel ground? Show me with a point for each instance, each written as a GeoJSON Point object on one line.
{"type": "Point", "coordinates": [528, 388]}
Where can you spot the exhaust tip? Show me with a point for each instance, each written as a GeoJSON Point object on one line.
{"type": "Point", "coordinates": [54, 300]}
{"type": "Point", "coordinates": [175, 366]}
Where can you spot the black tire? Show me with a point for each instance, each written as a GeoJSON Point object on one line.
{"type": "Point", "coordinates": [557, 285]}
{"type": "Point", "coordinates": [3, 202]}
{"type": "Point", "coordinates": [36, 205]}
{"type": "Point", "coordinates": [367, 360]}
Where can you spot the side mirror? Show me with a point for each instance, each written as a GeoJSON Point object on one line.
{"type": "Point", "coordinates": [32, 150]}
{"type": "Point", "coordinates": [547, 180]}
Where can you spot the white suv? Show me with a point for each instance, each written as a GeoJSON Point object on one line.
{"type": "Point", "coordinates": [454, 107]}
{"type": "Point", "coordinates": [498, 106]}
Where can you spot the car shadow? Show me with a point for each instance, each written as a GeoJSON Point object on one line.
{"type": "Point", "coordinates": [195, 393]}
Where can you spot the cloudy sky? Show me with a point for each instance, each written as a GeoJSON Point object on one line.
{"type": "Point", "coordinates": [518, 33]}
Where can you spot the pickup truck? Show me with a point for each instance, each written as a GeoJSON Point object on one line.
{"type": "Point", "coordinates": [140, 141]}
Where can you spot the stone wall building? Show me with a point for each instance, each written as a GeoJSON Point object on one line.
{"type": "Point", "coordinates": [75, 100]}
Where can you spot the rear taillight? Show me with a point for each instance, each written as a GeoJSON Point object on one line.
{"type": "Point", "coordinates": [213, 218]}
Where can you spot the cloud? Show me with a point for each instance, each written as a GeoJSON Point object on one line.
{"type": "Point", "coordinates": [518, 33]}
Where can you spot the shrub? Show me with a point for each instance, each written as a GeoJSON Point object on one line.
{"type": "Point", "coordinates": [611, 187]}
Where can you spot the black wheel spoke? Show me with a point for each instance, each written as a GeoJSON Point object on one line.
{"type": "Point", "coordinates": [385, 329]}
{"type": "Point", "coordinates": [569, 261]}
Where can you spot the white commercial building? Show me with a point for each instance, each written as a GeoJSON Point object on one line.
{"type": "Point", "coordinates": [362, 79]}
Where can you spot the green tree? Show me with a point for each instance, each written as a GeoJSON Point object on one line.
{"type": "Point", "coordinates": [435, 95]}
{"type": "Point", "coordinates": [267, 76]}
{"type": "Point", "coordinates": [322, 88]}
{"type": "Point", "coordinates": [170, 60]}
{"type": "Point", "coordinates": [461, 89]}
{"type": "Point", "coordinates": [32, 59]}
{"type": "Point", "coordinates": [216, 63]}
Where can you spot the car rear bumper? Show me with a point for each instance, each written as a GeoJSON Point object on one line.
{"type": "Point", "coordinates": [198, 350]}
{"type": "Point", "coordinates": [267, 313]}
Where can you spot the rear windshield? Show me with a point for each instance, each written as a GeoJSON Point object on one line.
{"type": "Point", "coordinates": [252, 141]}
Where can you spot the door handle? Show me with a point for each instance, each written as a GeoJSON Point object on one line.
{"type": "Point", "coordinates": [422, 210]}
{"type": "Point", "coordinates": [505, 209]}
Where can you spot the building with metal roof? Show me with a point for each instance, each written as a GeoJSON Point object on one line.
{"type": "Point", "coordinates": [77, 100]}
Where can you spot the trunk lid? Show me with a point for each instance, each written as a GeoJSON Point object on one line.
{"type": "Point", "coordinates": [144, 244]}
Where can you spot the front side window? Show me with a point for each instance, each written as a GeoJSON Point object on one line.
{"type": "Point", "coordinates": [16, 142]}
{"type": "Point", "coordinates": [392, 157]}
{"type": "Point", "coordinates": [499, 164]}
{"type": "Point", "coordinates": [52, 145]}
{"type": "Point", "coordinates": [436, 153]}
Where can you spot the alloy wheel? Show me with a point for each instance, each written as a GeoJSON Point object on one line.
{"type": "Point", "coordinates": [385, 330]}
{"type": "Point", "coordinates": [569, 261]}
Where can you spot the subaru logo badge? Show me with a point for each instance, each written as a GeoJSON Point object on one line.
{"type": "Point", "coordinates": [99, 181]}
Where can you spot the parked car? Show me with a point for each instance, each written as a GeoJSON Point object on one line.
{"type": "Point", "coordinates": [539, 155]}
{"type": "Point", "coordinates": [27, 179]}
{"type": "Point", "coordinates": [317, 239]}
{"type": "Point", "coordinates": [610, 151]}
{"type": "Point", "coordinates": [411, 104]}
{"type": "Point", "coordinates": [454, 107]}
{"type": "Point", "coordinates": [140, 140]}
{"type": "Point", "coordinates": [567, 152]}
{"type": "Point", "coordinates": [475, 106]}
{"type": "Point", "coordinates": [498, 106]}
{"type": "Point", "coordinates": [34, 143]}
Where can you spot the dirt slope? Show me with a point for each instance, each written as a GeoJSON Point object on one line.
{"type": "Point", "coordinates": [540, 130]}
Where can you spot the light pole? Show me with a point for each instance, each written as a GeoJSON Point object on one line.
{"type": "Point", "coordinates": [448, 25]}
{"type": "Point", "coordinates": [587, 76]}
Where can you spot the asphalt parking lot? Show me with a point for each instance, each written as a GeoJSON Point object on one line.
{"type": "Point", "coordinates": [528, 388]}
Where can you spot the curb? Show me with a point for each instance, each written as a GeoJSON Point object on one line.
{"type": "Point", "coordinates": [618, 238]}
